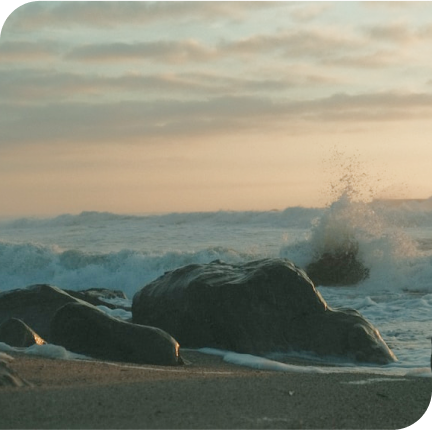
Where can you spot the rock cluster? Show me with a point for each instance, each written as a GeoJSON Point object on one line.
{"type": "Point", "coordinates": [259, 307]}
{"type": "Point", "coordinates": [59, 318]}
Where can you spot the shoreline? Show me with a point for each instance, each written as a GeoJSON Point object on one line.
{"type": "Point", "coordinates": [207, 393]}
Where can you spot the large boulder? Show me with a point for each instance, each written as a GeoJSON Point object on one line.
{"type": "Point", "coordinates": [258, 307]}
{"type": "Point", "coordinates": [17, 333]}
{"type": "Point", "coordinates": [84, 329]}
{"type": "Point", "coordinates": [34, 305]}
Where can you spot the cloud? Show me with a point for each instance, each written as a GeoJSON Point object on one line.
{"type": "Point", "coordinates": [425, 32]}
{"type": "Point", "coordinates": [141, 121]}
{"type": "Point", "coordinates": [305, 11]}
{"type": "Point", "coordinates": [375, 60]}
{"type": "Point", "coordinates": [395, 33]}
{"type": "Point", "coordinates": [24, 51]}
{"type": "Point", "coordinates": [246, 81]}
{"type": "Point", "coordinates": [40, 86]}
{"type": "Point", "coordinates": [107, 14]}
{"type": "Point", "coordinates": [392, 4]}
{"type": "Point", "coordinates": [165, 51]}
{"type": "Point", "coordinates": [385, 106]}
{"type": "Point", "coordinates": [294, 44]}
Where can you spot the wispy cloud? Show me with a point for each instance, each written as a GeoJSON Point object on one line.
{"type": "Point", "coordinates": [378, 59]}
{"type": "Point", "coordinates": [396, 5]}
{"type": "Point", "coordinates": [26, 51]}
{"type": "Point", "coordinates": [154, 84]}
{"type": "Point", "coordinates": [395, 33]}
{"type": "Point", "coordinates": [297, 43]}
{"type": "Point", "coordinates": [117, 13]}
{"type": "Point", "coordinates": [307, 11]}
{"type": "Point", "coordinates": [164, 51]}
{"type": "Point", "coordinates": [138, 121]}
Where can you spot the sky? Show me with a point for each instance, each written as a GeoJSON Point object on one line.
{"type": "Point", "coordinates": [150, 107]}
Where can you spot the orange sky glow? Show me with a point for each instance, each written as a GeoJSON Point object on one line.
{"type": "Point", "coordinates": [137, 107]}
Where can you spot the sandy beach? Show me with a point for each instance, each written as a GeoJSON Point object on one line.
{"type": "Point", "coordinates": [207, 393]}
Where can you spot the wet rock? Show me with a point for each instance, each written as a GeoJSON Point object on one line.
{"type": "Point", "coordinates": [84, 329]}
{"type": "Point", "coordinates": [17, 333]}
{"type": "Point", "coordinates": [337, 269]}
{"type": "Point", "coordinates": [100, 297]}
{"type": "Point", "coordinates": [258, 307]}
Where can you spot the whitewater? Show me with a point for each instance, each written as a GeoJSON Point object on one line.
{"type": "Point", "coordinates": [125, 252]}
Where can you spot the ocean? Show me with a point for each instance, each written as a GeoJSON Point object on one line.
{"type": "Point", "coordinates": [125, 252]}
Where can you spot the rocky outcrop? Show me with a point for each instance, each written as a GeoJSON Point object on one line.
{"type": "Point", "coordinates": [259, 307]}
{"type": "Point", "coordinates": [84, 329]}
{"type": "Point", "coordinates": [17, 333]}
{"type": "Point", "coordinates": [44, 311]}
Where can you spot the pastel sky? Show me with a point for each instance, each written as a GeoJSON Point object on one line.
{"type": "Point", "coordinates": [141, 107]}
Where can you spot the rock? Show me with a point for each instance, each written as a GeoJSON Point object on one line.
{"type": "Point", "coordinates": [35, 306]}
{"type": "Point", "coordinates": [258, 307]}
{"type": "Point", "coordinates": [84, 329]}
{"type": "Point", "coordinates": [337, 269]}
{"type": "Point", "coordinates": [99, 296]}
{"type": "Point", "coordinates": [15, 332]}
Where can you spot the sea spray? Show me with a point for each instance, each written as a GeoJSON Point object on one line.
{"type": "Point", "coordinates": [356, 236]}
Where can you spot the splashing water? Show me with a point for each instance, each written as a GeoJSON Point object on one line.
{"type": "Point", "coordinates": [353, 238]}
{"type": "Point", "coordinates": [343, 224]}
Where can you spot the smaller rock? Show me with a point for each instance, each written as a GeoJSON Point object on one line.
{"type": "Point", "coordinates": [15, 332]}
{"type": "Point", "coordinates": [84, 329]}
{"type": "Point", "coordinates": [337, 269]}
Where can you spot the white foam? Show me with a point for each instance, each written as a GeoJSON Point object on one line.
{"type": "Point", "coordinates": [262, 363]}
{"type": "Point", "coordinates": [117, 313]}
{"type": "Point", "coordinates": [373, 381]}
{"type": "Point", "coordinates": [46, 350]}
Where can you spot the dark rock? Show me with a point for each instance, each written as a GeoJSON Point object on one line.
{"type": "Point", "coordinates": [15, 332]}
{"type": "Point", "coordinates": [259, 307]}
{"type": "Point", "coordinates": [35, 305]}
{"type": "Point", "coordinates": [84, 329]}
{"type": "Point", "coordinates": [99, 296]}
{"type": "Point", "coordinates": [337, 269]}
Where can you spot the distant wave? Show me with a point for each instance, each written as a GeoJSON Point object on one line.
{"type": "Point", "coordinates": [291, 217]}
{"type": "Point", "coordinates": [66, 220]}
{"type": "Point", "coordinates": [404, 213]}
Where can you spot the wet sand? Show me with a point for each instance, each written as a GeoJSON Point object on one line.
{"type": "Point", "coordinates": [207, 393]}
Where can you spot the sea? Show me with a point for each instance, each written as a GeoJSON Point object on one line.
{"type": "Point", "coordinates": [126, 251]}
